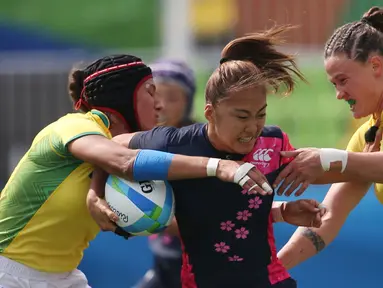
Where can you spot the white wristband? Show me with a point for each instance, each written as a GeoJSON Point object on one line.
{"type": "Point", "coordinates": [330, 155]}
{"type": "Point", "coordinates": [211, 167]}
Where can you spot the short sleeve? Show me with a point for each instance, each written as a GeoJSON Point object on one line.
{"type": "Point", "coordinates": [71, 129]}
{"type": "Point", "coordinates": [286, 146]}
{"type": "Point", "coordinates": [68, 129]}
{"type": "Point", "coordinates": [357, 142]}
{"type": "Point", "coordinates": [159, 138]}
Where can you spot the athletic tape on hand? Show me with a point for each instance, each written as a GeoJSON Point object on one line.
{"type": "Point", "coordinates": [240, 176]}
{"type": "Point", "coordinates": [330, 155]}
{"type": "Point", "coordinates": [243, 181]}
{"type": "Point", "coordinates": [242, 171]}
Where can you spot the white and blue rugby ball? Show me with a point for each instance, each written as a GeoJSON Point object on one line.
{"type": "Point", "coordinates": [144, 207]}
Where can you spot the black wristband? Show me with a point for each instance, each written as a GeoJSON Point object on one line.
{"type": "Point", "coordinates": [121, 232]}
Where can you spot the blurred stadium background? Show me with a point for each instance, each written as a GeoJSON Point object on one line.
{"type": "Point", "coordinates": [42, 39]}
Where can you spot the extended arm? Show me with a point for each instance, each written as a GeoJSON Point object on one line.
{"type": "Point", "coordinates": [360, 165]}
{"type": "Point", "coordinates": [306, 242]}
{"type": "Point", "coordinates": [119, 160]}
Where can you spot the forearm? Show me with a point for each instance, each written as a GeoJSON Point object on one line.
{"type": "Point", "coordinates": [307, 242]}
{"type": "Point", "coordinates": [340, 200]}
{"type": "Point", "coordinates": [181, 166]}
{"type": "Point", "coordinates": [186, 167]}
{"type": "Point", "coordinates": [97, 186]}
{"type": "Point", "coordinates": [157, 165]}
{"type": "Point", "coordinates": [331, 177]}
{"type": "Point", "coordinates": [365, 166]}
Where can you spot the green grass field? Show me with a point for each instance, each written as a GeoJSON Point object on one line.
{"type": "Point", "coordinates": [311, 115]}
{"type": "Point", "coordinates": [98, 23]}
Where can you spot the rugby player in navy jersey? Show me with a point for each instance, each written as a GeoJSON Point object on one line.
{"type": "Point", "coordinates": [175, 91]}
{"type": "Point", "coordinates": [227, 231]}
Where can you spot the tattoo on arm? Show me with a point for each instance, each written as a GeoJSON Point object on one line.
{"type": "Point", "coordinates": [315, 239]}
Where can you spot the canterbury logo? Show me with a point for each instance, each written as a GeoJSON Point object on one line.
{"type": "Point", "coordinates": [262, 155]}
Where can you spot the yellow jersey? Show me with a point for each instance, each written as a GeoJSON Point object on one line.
{"type": "Point", "coordinates": [357, 143]}
{"type": "Point", "coordinates": [44, 221]}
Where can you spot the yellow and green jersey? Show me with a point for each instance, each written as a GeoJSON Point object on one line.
{"type": "Point", "coordinates": [357, 143]}
{"type": "Point", "coordinates": [44, 221]}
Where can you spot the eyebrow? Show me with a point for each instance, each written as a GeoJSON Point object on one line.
{"type": "Point", "coordinates": [248, 112]}
{"type": "Point", "coordinates": [337, 76]}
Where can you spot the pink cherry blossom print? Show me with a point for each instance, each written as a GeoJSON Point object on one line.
{"type": "Point", "coordinates": [235, 258]}
{"type": "Point", "coordinates": [221, 247]}
{"type": "Point", "coordinates": [241, 233]}
{"type": "Point", "coordinates": [255, 203]}
{"type": "Point", "coordinates": [227, 226]}
{"type": "Point", "coordinates": [244, 215]}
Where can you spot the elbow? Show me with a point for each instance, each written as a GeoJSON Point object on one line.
{"type": "Point", "coordinates": [328, 231]}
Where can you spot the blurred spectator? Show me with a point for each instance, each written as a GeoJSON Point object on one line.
{"type": "Point", "coordinates": [176, 87]}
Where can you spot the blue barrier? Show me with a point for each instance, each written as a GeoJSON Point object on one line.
{"type": "Point", "coordinates": [352, 260]}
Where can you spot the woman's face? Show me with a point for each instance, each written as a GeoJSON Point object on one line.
{"type": "Point", "coordinates": [359, 84]}
{"type": "Point", "coordinates": [145, 105]}
{"type": "Point", "coordinates": [171, 102]}
{"type": "Point", "coordinates": [237, 120]}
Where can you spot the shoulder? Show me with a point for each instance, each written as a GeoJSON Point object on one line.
{"type": "Point", "coordinates": [184, 135]}
{"type": "Point", "coordinates": [162, 137]}
{"type": "Point", "coordinates": [272, 131]}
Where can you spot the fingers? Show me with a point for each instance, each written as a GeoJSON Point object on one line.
{"type": "Point", "coordinates": [317, 221]}
{"type": "Point", "coordinates": [104, 216]}
{"type": "Point", "coordinates": [253, 187]}
{"type": "Point", "coordinates": [286, 183]}
{"type": "Point", "coordinates": [285, 172]}
{"type": "Point", "coordinates": [106, 225]}
{"type": "Point", "coordinates": [258, 182]}
{"type": "Point", "coordinates": [302, 188]}
{"type": "Point", "coordinates": [323, 210]}
{"type": "Point", "coordinates": [297, 182]}
{"type": "Point", "coordinates": [310, 205]}
{"type": "Point", "coordinates": [110, 214]}
{"type": "Point", "coordinates": [289, 154]}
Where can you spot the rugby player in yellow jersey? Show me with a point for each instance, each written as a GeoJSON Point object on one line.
{"type": "Point", "coordinates": [354, 64]}
{"type": "Point", "coordinates": [44, 221]}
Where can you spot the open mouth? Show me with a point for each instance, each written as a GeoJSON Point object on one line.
{"type": "Point", "coordinates": [245, 139]}
{"type": "Point", "coordinates": [352, 103]}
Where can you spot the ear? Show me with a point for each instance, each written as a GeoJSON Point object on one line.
{"type": "Point", "coordinates": [377, 65]}
{"type": "Point", "coordinates": [209, 112]}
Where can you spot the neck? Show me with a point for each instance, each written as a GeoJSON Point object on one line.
{"type": "Point", "coordinates": [214, 140]}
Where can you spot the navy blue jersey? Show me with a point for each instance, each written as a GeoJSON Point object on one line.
{"type": "Point", "coordinates": [226, 231]}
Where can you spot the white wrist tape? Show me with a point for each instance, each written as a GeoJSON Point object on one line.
{"type": "Point", "coordinates": [211, 167]}
{"type": "Point", "coordinates": [330, 155]}
{"type": "Point", "coordinates": [242, 172]}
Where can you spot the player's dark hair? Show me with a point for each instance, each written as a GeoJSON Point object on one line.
{"type": "Point", "coordinates": [358, 39]}
{"type": "Point", "coordinates": [110, 84]}
{"type": "Point", "coordinates": [252, 61]}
